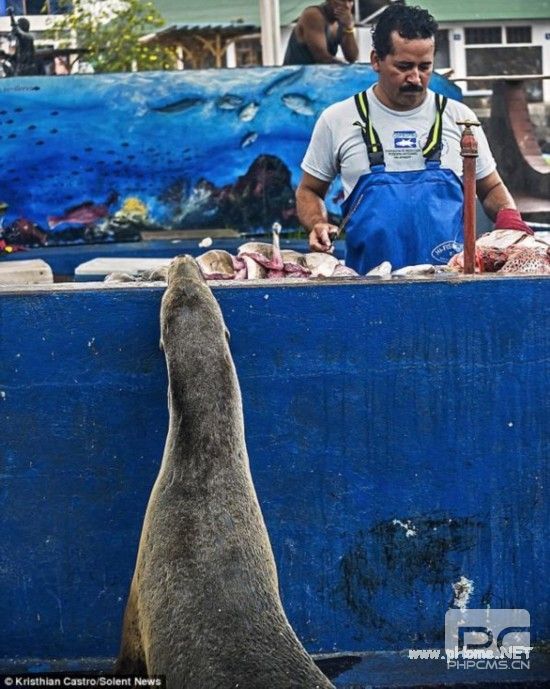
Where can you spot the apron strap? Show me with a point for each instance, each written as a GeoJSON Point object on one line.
{"type": "Point", "coordinates": [432, 148]}
{"type": "Point", "coordinates": [370, 137]}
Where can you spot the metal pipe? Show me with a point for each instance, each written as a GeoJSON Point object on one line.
{"type": "Point", "coordinates": [468, 151]}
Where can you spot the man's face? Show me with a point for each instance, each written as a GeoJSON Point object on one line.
{"type": "Point", "coordinates": [337, 7]}
{"type": "Point", "coordinates": [404, 73]}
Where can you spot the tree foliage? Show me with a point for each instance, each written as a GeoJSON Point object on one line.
{"type": "Point", "coordinates": [109, 30]}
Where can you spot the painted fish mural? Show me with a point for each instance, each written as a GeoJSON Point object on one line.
{"type": "Point", "coordinates": [194, 149]}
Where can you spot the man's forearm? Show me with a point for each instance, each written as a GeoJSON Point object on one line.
{"type": "Point", "coordinates": [497, 197]}
{"type": "Point", "coordinates": [311, 208]}
{"type": "Point", "coordinates": [349, 45]}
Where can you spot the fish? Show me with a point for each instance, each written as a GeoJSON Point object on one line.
{"type": "Point", "coordinates": [262, 248]}
{"type": "Point", "coordinates": [248, 113]}
{"type": "Point", "coordinates": [217, 264]}
{"type": "Point", "coordinates": [254, 271]}
{"type": "Point", "coordinates": [249, 139]}
{"type": "Point", "coordinates": [342, 271]}
{"type": "Point", "coordinates": [178, 105]}
{"type": "Point", "coordinates": [266, 255]}
{"type": "Point", "coordinates": [284, 80]}
{"type": "Point", "coordinates": [118, 276]}
{"type": "Point", "coordinates": [414, 271]}
{"type": "Point", "coordinates": [382, 271]}
{"type": "Point", "coordinates": [509, 252]}
{"type": "Point", "coordinates": [229, 102]}
{"type": "Point", "coordinates": [86, 213]}
{"type": "Point", "coordinates": [301, 105]}
{"type": "Point", "coordinates": [504, 239]}
{"type": "Point", "coordinates": [320, 264]}
{"type": "Point", "coordinates": [527, 262]}
{"type": "Point", "coordinates": [158, 274]}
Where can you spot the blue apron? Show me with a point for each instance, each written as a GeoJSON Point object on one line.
{"type": "Point", "coordinates": [405, 218]}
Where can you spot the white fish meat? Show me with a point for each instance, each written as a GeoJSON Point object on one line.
{"type": "Point", "coordinates": [382, 271]}
{"type": "Point", "coordinates": [414, 271]}
{"type": "Point", "coordinates": [217, 264]}
{"type": "Point", "coordinates": [254, 271]}
{"type": "Point", "coordinates": [320, 264]}
{"type": "Point", "coordinates": [342, 271]}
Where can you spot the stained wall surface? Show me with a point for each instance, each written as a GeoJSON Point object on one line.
{"type": "Point", "coordinates": [397, 433]}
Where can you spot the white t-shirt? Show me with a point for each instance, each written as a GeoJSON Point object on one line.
{"type": "Point", "coordinates": [337, 145]}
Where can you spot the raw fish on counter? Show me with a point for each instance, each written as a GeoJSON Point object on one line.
{"type": "Point", "coordinates": [509, 252]}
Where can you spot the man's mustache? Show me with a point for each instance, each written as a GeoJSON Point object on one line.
{"type": "Point", "coordinates": [411, 88]}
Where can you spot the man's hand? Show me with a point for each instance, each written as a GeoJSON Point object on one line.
{"type": "Point", "coordinates": [322, 236]}
{"type": "Point", "coordinates": [343, 14]}
{"type": "Point", "coordinates": [510, 219]}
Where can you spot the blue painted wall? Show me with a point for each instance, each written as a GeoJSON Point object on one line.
{"type": "Point", "coordinates": [367, 406]}
{"type": "Point", "coordinates": [181, 149]}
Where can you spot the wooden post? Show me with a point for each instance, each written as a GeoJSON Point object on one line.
{"type": "Point", "coordinates": [468, 151]}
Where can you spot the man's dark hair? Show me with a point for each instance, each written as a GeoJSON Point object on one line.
{"type": "Point", "coordinates": [409, 22]}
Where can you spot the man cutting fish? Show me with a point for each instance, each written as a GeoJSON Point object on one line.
{"type": "Point", "coordinates": [397, 149]}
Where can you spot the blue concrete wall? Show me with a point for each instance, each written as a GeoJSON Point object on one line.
{"type": "Point", "coordinates": [367, 406]}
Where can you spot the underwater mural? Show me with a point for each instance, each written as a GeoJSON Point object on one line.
{"type": "Point", "coordinates": [93, 158]}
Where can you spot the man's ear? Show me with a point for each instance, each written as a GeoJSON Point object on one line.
{"type": "Point", "coordinates": [375, 61]}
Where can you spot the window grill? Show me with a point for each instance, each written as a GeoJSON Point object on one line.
{"type": "Point", "coordinates": [518, 34]}
{"type": "Point", "coordinates": [477, 35]}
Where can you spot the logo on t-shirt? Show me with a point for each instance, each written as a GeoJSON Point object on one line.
{"type": "Point", "coordinates": [443, 253]}
{"type": "Point", "coordinates": [405, 139]}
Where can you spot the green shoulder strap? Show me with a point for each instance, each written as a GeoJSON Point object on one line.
{"type": "Point", "coordinates": [432, 148]}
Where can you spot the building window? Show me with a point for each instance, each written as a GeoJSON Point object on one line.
{"type": "Point", "coordinates": [518, 34]}
{"type": "Point", "coordinates": [477, 35]}
{"type": "Point", "coordinates": [442, 59]}
{"type": "Point", "coordinates": [248, 52]}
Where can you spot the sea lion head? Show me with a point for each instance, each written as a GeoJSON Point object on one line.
{"type": "Point", "coordinates": [194, 337]}
{"type": "Point", "coordinates": [184, 268]}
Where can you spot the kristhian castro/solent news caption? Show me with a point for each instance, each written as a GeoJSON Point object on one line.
{"type": "Point", "coordinates": [78, 679]}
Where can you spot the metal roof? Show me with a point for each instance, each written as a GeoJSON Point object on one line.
{"type": "Point", "coordinates": [486, 10]}
{"type": "Point", "coordinates": [216, 13]}
{"type": "Point", "coordinates": [203, 28]}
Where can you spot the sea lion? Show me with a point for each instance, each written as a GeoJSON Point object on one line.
{"type": "Point", "coordinates": [204, 606]}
